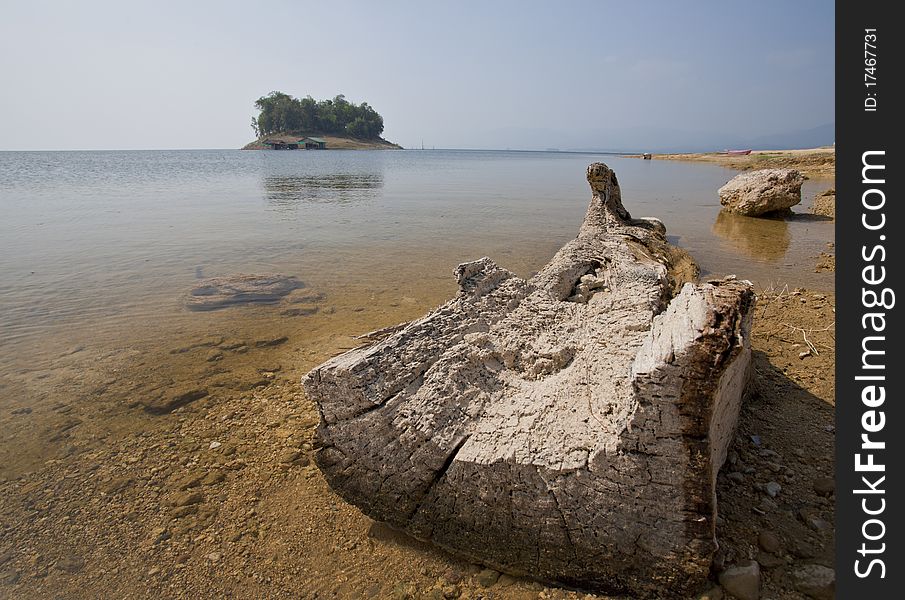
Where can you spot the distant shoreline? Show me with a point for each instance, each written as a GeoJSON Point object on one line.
{"type": "Point", "coordinates": [812, 162]}
{"type": "Point", "coordinates": [333, 142]}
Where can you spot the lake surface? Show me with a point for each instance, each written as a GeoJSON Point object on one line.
{"type": "Point", "coordinates": [101, 237]}
{"type": "Point", "coordinates": [98, 251]}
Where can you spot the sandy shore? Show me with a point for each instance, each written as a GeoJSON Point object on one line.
{"type": "Point", "coordinates": [813, 162]}
{"type": "Point", "coordinates": [220, 497]}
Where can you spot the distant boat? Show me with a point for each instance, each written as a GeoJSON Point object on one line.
{"type": "Point", "coordinates": [738, 152]}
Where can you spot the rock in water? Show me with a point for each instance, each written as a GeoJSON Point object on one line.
{"type": "Point", "coordinates": [757, 193]}
{"type": "Point", "coordinates": [569, 427]}
{"type": "Point", "coordinates": [221, 292]}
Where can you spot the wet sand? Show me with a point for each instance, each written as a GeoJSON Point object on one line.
{"type": "Point", "coordinates": [99, 498]}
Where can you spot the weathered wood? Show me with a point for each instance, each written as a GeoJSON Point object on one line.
{"type": "Point", "coordinates": [569, 427]}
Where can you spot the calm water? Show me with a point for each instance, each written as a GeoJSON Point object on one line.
{"type": "Point", "coordinates": [101, 239]}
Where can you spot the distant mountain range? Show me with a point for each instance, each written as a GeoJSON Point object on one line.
{"type": "Point", "coordinates": [646, 139]}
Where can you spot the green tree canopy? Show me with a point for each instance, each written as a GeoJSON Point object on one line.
{"type": "Point", "coordinates": [281, 113]}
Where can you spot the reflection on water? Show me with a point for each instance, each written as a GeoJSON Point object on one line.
{"type": "Point", "coordinates": [764, 239]}
{"type": "Point", "coordinates": [100, 239]}
{"type": "Point", "coordinates": [284, 191]}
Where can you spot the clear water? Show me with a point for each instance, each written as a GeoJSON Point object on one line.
{"type": "Point", "coordinates": [99, 239]}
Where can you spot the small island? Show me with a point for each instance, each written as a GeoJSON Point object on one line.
{"type": "Point", "coordinates": [287, 123]}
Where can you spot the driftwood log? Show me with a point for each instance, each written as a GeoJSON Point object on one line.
{"type": "Point", "coordinates": [569, 427]}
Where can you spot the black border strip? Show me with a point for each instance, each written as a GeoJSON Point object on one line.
{"type": "Point", "coordinates": [869, 222]}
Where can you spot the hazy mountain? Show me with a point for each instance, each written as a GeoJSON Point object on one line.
{"type": "Point", "coordinates": [643, 139]}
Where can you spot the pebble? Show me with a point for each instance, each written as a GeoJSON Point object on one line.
{"type": "Point", "coordinates": [159, 534]}
{"type": "Point", "coordinates": [213, 478]}
{"type": "Point", "coordinates": [736, 477]}
{"type": "Point", "coordinates": [271, 342]}
{"type": "Point", "coordinates": [714, 593]}
{"type": "Point", "coordinates": [214, 556]}
{"type": "Point", "coordinates": [769, 541]}
{"type": "Point", "coordinates": [772, 488]}
{"type": "Point", "coordinates": [187, 498]}
{"type": "Point", "coordinates": [769, 561]}
{"type": "Point", "coordinates": [70, 564]}
{"type": "Point", "coordinates": [824, 486]}
{"type": "Point", "coordinates": [815, 581]}
{"type": "Point", "coordinates": [488, 577]}
{"type": "Point", "coordinates": [214, 445]}
{"type": "Point", "coordinates": [742, 581]}
{"type": "Point", "coordinates": [9, 576]}
{"type": "Point", "coordinates": [732, 457]}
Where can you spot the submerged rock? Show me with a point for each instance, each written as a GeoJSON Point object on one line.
{"type": "Point", "coordinates": [222, 292]}
{"type": "Point", "coordinates": [756, 193]}
{"type": "Point", "coordinates": [569, 427]}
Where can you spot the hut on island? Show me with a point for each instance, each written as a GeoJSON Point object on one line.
{"type": "Point", "coordinates": [313, 143]}
{"type": "Point", "coordinates": [281, 145]}
{"type": "Point", "coordinates": [308, 143]}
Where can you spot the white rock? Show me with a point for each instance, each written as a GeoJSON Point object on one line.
{"type": "Point", "coordinates": [755, 193]}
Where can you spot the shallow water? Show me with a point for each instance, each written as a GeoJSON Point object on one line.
{"type": "Point", "coordinates": [98, 251]}
{"type": "Point", "coordinates": [104, 237]}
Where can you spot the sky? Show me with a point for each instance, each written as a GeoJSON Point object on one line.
{"type": "Point", "coordinates": [623, 75]}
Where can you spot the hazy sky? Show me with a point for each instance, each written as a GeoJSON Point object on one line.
{"type": "Point", "coordinates": [133, 74]}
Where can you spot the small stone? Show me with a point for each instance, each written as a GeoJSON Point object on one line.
{"type": "Point", "coordinates": [732, 457]}
{"type": "Point", "coordinates": [159, 534]}
{"type": "Point", "coordinates": [70, 564]}
{"type": "Point", "coordinates": [769, 541]}
{"type": "Point", "coordinates": [505, 580]}
{"type": "Point", "coordinates": [116, 485]}
{"type": "Point", "coordinates": [714, 593]}
{"type": "Point", "coordinates": [214, 356]}
{"type": "Point", "coordinates": [772, 489]}
{"type": "Point", "coordinates": [153, 571]}
{"type": "Point", "coordinates": [213, 478]}
{"type": "Point", "coordinates": [453, 576]}
{"type": "Point", "coordinates": [214, 445]}
{"type": "Point", "coordinates": [213, 556]}
{"type": "Point", "coordinates": [819, 525]}
{"type": "Point", "coordinates": [769, 561]}
{"type": "Point", "coordinates": [183, 511]}
{"type": "Point", "coordinates": [187, 498]}
{"type": "Point", "coordinates": [805, 354]}
{"type": "Point", "coordinates": [824, 486]}
{"type": "Point", "coordinates": [269, 343]}
{"type": "Point", "coordinates": [488, 577]}
{"type": "Point", "coordinates": [815, 581]}
{"type": "Point", "coordinates": [9, 576]}
{"type": "Point", "coordinates": [167, 405]}
{"type": "Point", "coordinates": [736, 477]}
{"type": "Point", "coordinates": [802, 549]}
{"type": "Point", "coordinates": [742, 581]}
{"type": "Point", "coordinates": [293, 456]}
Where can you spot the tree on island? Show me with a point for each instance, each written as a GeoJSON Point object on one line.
{"type": "Point", "coordinates": [281, 113]}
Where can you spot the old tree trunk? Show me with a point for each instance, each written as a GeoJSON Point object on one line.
{"type": "Point", "coordinates": [568, 427]}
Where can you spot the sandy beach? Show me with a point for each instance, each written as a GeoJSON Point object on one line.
{"type": "Point", "coordinates": [812, 162]}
